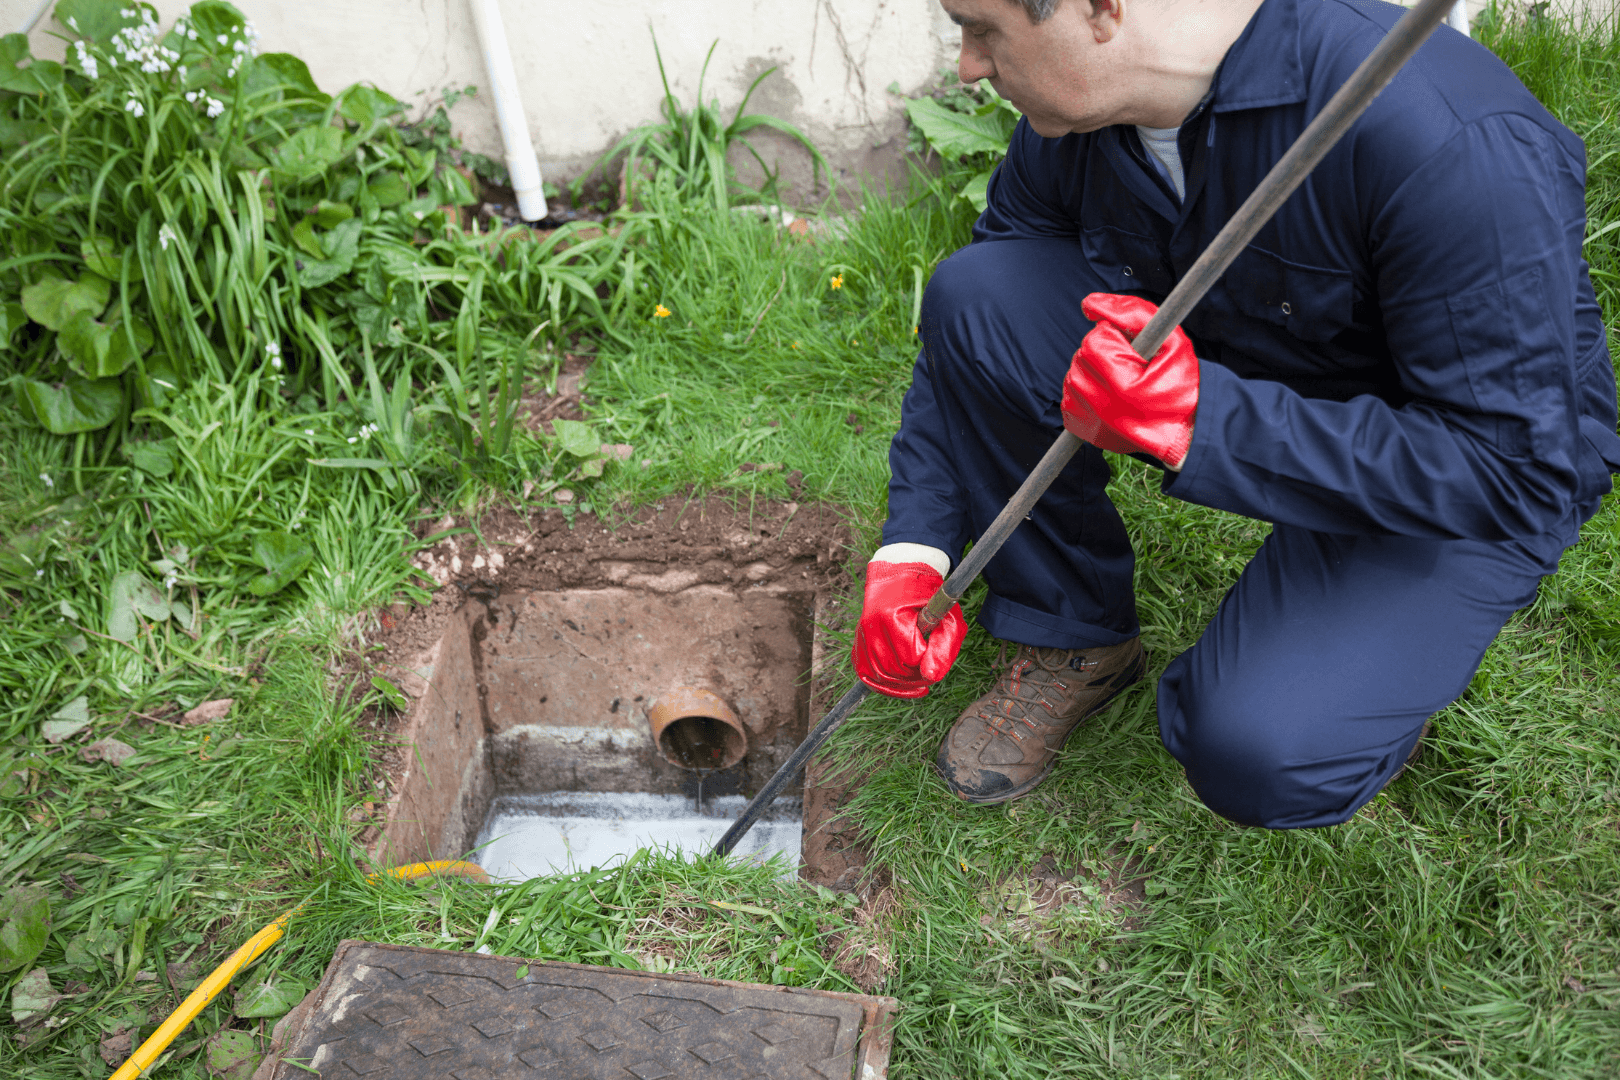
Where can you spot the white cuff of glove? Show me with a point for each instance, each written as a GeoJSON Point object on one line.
{"type": "Point", "coordinates": [904, 553]}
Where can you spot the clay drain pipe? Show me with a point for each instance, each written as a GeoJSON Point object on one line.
{"type": "Point", "coordinates": [694, 729]}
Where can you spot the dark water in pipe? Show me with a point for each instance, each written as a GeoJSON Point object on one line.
{"type": "Point", "coordinates": [697, 742]}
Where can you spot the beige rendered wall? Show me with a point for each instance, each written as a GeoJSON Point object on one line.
{"type": "Point", "coordinates": [588, 72]}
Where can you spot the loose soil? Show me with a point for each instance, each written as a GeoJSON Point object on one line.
{"type": "Point", "coordinates": [537, 408]}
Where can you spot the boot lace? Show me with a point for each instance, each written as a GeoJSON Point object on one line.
{"type": "Point", "coordinates": [1026, 683]}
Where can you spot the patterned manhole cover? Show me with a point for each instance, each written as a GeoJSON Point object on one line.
{"type": "Point", "coordinates": [387, 1012]}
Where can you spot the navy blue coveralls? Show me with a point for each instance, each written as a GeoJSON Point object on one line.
{"type": "Point", "coordinates": [1405, 373]}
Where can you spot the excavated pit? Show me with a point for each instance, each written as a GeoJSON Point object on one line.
{"type": "Point", "coordinates": [528, 740]}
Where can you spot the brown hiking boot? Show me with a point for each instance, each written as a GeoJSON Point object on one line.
{"type": "Point", "coordinates": [1008, 741]}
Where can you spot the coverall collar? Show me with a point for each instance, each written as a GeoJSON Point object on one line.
{"type": "Point", "coordinates": [1262, 68]}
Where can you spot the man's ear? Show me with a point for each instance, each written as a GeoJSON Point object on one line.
{"type": "Point", "coordinates": [1105, 19]}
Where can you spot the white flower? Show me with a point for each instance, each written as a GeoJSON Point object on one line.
{"type": "Point", "coordinates": [190, 33]}
{"type": "Point", "coordinates": [353, 440]}
{"type": "Point", "coordinates": [39, 573]}
{"type": "Point", "coordinates": [168, 582]}
{"type": "Point", "coordinates": [215, 107]}
{"type": "Point", "coordinates": [87, 62]}
{"type": "Point", "coordinates": [272, 352]}
{"type": "Point", "coordinates": [48, 481]}
{"type": "Point", "coordinates": [193, 95]}
{"type": "Point", "coordinates": [310, 432]}
{"type": "Point", "coordinates": [133, 105]}
{"type": "Point", "coordinates": [165, 234]}
{"type": "Point", "coordinates": [222, 39]}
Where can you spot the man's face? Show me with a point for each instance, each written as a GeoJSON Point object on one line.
{"type": "Point", "coordinates": [1058, 72]}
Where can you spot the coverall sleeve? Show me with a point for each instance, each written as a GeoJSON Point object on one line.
{"type": "Point", "coordinates": [1476, 256]}
{"type": "Point", "coordinates": [1026, 199]}
{"type": "Point", "coordinates": [1035, 191]}
{"type": "Point", "coordinates": [925, 503]}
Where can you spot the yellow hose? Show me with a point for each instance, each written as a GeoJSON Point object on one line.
{"type": "Point", "coordinates": [250, 951]}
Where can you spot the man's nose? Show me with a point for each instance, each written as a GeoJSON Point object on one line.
{"type": "Point", "coordinates": [972, 65]}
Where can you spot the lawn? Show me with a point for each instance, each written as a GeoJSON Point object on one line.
{"type": "Point", "coordinates": [259, 506]}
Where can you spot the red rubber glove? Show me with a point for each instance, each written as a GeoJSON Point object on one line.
{"type": "Point", "coordinates": [891, 655]}
{"type": "Point", "coordinates": [1115, 400]}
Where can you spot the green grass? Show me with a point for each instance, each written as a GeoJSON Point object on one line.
{"type": "Point", "coordinates": [1464, 925]}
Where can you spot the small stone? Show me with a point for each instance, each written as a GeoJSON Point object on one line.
{"type": "Point", "coordinates": [208, 711]}
{"type": "Point", "coordinates": [110, 750]}
{"type": "Point", "coordinates": [116, 1046]}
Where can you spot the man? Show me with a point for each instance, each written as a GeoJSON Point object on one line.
{"type": "Point", "coordinates": [1405, 373]}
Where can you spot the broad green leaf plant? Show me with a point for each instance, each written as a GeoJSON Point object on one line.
{"type": "Point", "coordinates": [968, 127]}
{"type": "Point", "coordinates": [177, 210]}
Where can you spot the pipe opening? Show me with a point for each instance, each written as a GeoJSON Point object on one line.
{"type": "Point", "coordinates": [701, 742]}
{"type": "Point", "coordinates": [694, 729]}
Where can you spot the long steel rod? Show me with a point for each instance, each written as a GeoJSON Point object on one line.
{"type": "Point", "coordinates": [790, 768]}
{"type": "Point", "coordinates": [1313, 144]}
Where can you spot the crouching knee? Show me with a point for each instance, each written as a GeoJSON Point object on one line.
{"type": "Point", "coordinates": [959, 296]}
{"type": "Point", "coordinates": [1256, 764]}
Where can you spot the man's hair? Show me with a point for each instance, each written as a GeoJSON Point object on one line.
{"type": "Point", "coordinates": [1038, 10]}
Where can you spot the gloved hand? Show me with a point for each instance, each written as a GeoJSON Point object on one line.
{"type": "Point", "coordinates": [1115, 400]}
{"type": "Point", "coordinates": [891, 655]}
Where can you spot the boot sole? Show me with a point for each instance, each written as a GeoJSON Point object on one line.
{"type": "Point", "coordinates": [1030, 785]}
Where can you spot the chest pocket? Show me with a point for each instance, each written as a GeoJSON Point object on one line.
{"type": "Point", "coordinates": [1126, 261]}
{"type": "Point", "coordinates": [1311, 304]}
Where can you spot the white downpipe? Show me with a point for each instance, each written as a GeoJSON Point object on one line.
{"type": "Point", "coordinates": [1457, 17]}
{"type": "Point", "coordinates": [520, 156]}
{"type": "Point", "coordinates": [33, 20]}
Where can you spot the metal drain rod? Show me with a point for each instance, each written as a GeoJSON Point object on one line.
{"type": "Point", "coordinates": [1313, 144]}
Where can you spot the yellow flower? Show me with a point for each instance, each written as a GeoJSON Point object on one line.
{"type": "Point", "coordinates": [795, 344]}
{"type": "Point", "coordinates": [838, 281]}
{"type": "Point", "coordinates": [661, 312]}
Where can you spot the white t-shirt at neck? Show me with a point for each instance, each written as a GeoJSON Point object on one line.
{"type": "Point", "coordinates": [1161, 143]}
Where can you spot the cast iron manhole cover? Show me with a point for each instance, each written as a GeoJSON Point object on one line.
{"type": "Point", "coordinates": [388, 1012]}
